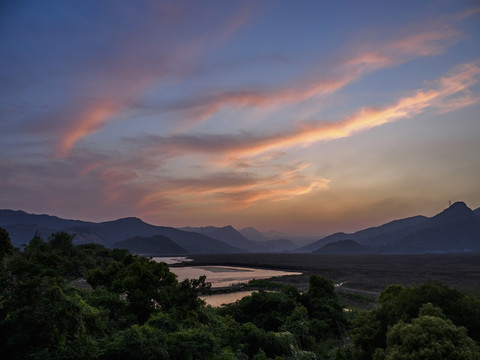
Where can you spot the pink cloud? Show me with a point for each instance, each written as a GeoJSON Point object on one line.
{"type": "Point", "coordinates": [236, 190]}
{"type": "Point", "coordinates": [245, 144]}
{"type": "Point", "coordinates": [129, 74]}
{"type": "Point", "coordinates": [92, 120]}
{"type": "Point", "coordinates": [367, 57]}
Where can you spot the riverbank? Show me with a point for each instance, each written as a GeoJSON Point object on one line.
{"type": "Point", "coordinates": [362, 277]}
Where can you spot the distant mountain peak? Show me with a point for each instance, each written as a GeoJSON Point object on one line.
{"type": "Point", "coordinates": [455, 211]}
{"type": "Point", "coordinates": [458, 205]}
{"type": "Point", "coordinates": [253, 234]}
{"type": "Point", "coordinates": [131, 218]}
{"type": "Point", "coordinates": [343, 246]}
{"type": "Point", "coordinates": [129, 221]}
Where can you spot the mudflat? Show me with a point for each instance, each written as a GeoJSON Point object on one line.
{"type": "Point", "coordinates": [365, 272]}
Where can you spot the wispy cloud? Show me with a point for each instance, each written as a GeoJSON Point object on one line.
{"type": "Point", "coordinates": [236, 190]}
{"type": "Point", "coordinates": [247, 144]}
{"type": "Point", "coordinates": [133, 63]}
{"type": "Point", "coordinates": [90, 121]}
{"type": "Point", "coordinates": [239, 188]}
{"type": "Point", "coordinates": [346, 69]}
{"type": "Point", "coordinates": [118, 97]}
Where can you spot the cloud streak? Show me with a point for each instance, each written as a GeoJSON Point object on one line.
{"type": "Point", "coordinates": [92, 120]}
{"type": "Point", "coordinates": [246, 144]}
{"type": "Point", "coordinates": [236, 190]}
{"type": "Point", "coordinates": [131, 64]}
{"type": "Point", "coordinates": [366, 59]}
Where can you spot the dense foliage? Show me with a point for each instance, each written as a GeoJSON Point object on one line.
{"type": "Point", "coordinates": [402, 328]}
{"type": "Point", "coordinates": [61, 301]}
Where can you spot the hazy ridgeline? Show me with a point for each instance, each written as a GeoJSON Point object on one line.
{"type": "Point", "coordinates": [134, 308]}
{"type": "Point", "coordinates": [454, 230]}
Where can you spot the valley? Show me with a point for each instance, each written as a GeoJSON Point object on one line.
{"type": "Point", "coordinates": [363, 272]}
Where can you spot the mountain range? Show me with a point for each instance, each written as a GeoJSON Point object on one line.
{"type": "Point", "coordinates": [270, 241]}
{"type": "Point", "coordinates": [22, 226]}
{"type": "Point", "coordinates": [229, 235]}
{"type": "Point", "coordinates": [456, 229]}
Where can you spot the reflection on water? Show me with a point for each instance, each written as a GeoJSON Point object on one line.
{"type": "Point", "coordinates": [171, 259]}
{"type": "Point", "coordinates": [224, 276]}
{"type": "Point", "coordinates": [217, 300]}
{"type": "Point", "coordinates": [221, 276]}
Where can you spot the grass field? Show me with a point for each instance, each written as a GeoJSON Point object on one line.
{"type": "Point", "coordinates": [362, 277]}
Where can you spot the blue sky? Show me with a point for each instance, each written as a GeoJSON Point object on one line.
{"type": "Point", "coordinates": [304, 117]}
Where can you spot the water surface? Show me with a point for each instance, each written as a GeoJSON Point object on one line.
{"type": "Point", "coordinates": [220, 277]}
{"type": "Point", "coordinates": [225, 276]}
{"type": "Point", "coordinates": [217, 300]}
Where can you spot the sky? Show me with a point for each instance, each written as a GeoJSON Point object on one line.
{"type": "Point", "coordinates": [304, 117]}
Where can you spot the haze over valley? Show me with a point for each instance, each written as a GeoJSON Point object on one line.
{"type": "Point", "coordinates": [454, 230]}
{"type": "Point", "coordinates": [304, 120]}
{"type": "Point", "coordinates": [312, 166]}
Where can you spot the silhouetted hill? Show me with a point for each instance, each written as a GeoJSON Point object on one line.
{"type": "Point", "coordinates": [456, 229]}
{"type": "Point", "coordinates": [279, 245]}
{"type": "Point", "coordinates": [276, 241]}
{"type": "Point", "coordinates": [390, 231]}
{"type": "Point", "coordinates": [344, 247]}
{"type": "Point", "coordinates": [373, 236]}
{"type": "Point", "coordinates": [13, 217]}
{"type": "Point", "coordinates": [229, 235]}
{"type": "Point", "coordinates": [153, 245]}
{"type": "Point", "coordinates": [459, 211]}
{"type": "Point", "coordinates": [22, 227]}
{"type": "Point", "coordinates": [196, 243]}
{"type": "Point", "coordinates": [253, 234]}
{"type": "Point", "coordinates": [326, 240]}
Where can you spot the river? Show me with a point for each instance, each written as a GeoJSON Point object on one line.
{"type": "Point", "coordinates": [221, 277]}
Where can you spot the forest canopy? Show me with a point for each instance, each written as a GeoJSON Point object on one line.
{"type": "Point", "coordinates": [64, 301]}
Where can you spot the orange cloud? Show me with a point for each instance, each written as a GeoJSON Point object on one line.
{"type": "Point", "coordinates": [363, 61]}
{"type": "Point", "coordinates": [116, 92]}
{"type": "Point", "coordinates": [237, 191]}
{"type": "Point", "coordinates": [457, 82]}
{"type": "Point", "coordinates": [235, 147]}
{"type": "Point", "coordinates": [458, 103]}
{"type": "Point", "coordinates": [366, 59]}
{"type": "Point", "coordinates": [91, 121]}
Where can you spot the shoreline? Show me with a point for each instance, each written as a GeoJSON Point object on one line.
{"type": "Point", "coordinates": [368, 272]}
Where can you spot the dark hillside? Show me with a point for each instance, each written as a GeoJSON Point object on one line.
{"type": "Point", "coordinates": [456, 229]}
{"type": "Point", "coordinates": [229, 235]}
{"type": "Point", "coordinates": [253, 234]}
{"type": "Point", "coordinates": [344, 247]}
{"type": "Point", "coordinates": [373, 236]}
{"type": "Point", "coordinates": [23, 226]}
{"type": "Point", "coordinates": [153, 245]}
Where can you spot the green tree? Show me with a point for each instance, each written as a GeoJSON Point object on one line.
{"type": "Point", "coordinates": [6, 247]}
{"type": "Point", "coordinates": [62, 242]}
{"type": "Point", "coordinates": [136, 342]}
{"type": "Point", "coordinates": [148, 286]}
{"type": "Point", "coordinates": [324, 309]}
{"type": "Point", "coordinates": [42, 318]}
{"type": "Point", "coordinates": [396, 303]}
{"type": "Point", "coordinates": [429, 337]}
{"type": "Point", "coordinates": [267, 310]}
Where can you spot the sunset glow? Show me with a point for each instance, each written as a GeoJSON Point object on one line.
{"type": "Point", "coordinates": [305, 118]}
